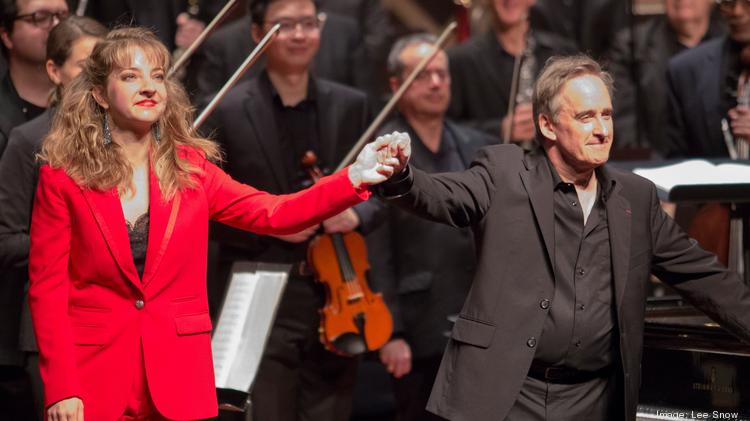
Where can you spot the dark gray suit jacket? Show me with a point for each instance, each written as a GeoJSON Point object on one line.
{"type": "Point", "coordinates": [424, 269]}
{"type": "Point", "coordinates": [339, 58]}
{"type": "Point", "coordinates": [18, 172]}
{"type": "Point", "coordinates": [507, 198]}
{"type": "Point", "coordinates": [696, 83]}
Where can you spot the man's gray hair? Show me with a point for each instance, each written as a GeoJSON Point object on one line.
{"type": "Point", "coordinates": [556, 73]}
{"type": "Point", "coordinates": [395, 65]}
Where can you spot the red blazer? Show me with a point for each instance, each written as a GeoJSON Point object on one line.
{"type": "Point", "coordinates": [90, 309]}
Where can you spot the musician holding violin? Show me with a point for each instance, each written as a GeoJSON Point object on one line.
{"type": "Point", "coordinates": [266, 126]}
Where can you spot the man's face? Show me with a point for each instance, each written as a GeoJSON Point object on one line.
{"type": "Point", "coordinates": [687, 10]}
{"type": "Point", "coordinates": [737, 15]}
{"type": "Point", "coordinates": [430, 94]}
{"type": "Point", "coordinates": [512, 12]}
{"type": "Point", "coordinates": [28, 40]}
{"type": "Point", "coordinates": [582, 132]}
{"type": "Point", "coordinates": [298, 41]}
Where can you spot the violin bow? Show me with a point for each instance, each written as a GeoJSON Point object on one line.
{"type": "Point", "coordinates": [439, 44]}
{"type": "Point", "coordinates": [249, 61]}
{"type": "Point", "coordinates": [512, 98]}
{"type": "Point", "coordinates": [202, 37]}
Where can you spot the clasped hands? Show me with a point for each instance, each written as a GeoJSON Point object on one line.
{"type": "Point", "coordinates": [381, 159]}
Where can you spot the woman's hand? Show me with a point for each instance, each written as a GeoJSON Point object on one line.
{"type": "Point", "coordinates": [70, 409]}
{"type": "Point", "coordinates": [380, 159]}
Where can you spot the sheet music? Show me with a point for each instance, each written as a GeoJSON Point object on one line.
{"type": "Point", "coordinates": [696, 172]}
{"type": "Point", "coordinates": [245, 321]}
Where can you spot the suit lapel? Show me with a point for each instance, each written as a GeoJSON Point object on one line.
{"type": "Point", "coordinates": [162, 217]}
{"type": "Point", "coordinates": [260, 113]}
{"type": "Point", "coordinates": [619, 215]}
{"type": "Point", "coordinates": [108, 213]}
{"type": "Point", "coordinates": [328, 120]}
{"type": "Point", "coordinates": [537, 181]}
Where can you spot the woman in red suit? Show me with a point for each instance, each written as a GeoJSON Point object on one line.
{"type": "Point", "coordinates": [119, 239]}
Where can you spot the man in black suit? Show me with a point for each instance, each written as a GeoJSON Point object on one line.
{"type": "Point", "coordinates": [265, 125]}
{"type": "Point", "coordinates": [639, 59]}
{"type": "Point", "coordinates": [703, 90]}
{"type": "Point", "coordinates": [482, 72]}
{"type": "Point", "coordinates": [339, 58]}
{"type": "Point", "coordinates": [553, 323]}
{"type": "Point", "coordinates": [24, 89]}
{"type": "Point", "coordinates": [423, 285]}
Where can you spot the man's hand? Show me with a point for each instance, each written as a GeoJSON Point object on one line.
{"type": "Point", "coordinates": [344, 222]}
{"type": "Point", "coordinates": [374, 164]}
{"type": "Point", "coordinates": [523, 123]}
{"type": "Point", "coordinates": [188, 29]}
{"type": "Point", "coordinates": [299, 237]}
{"type": "Point", "coordinates": [399, 147]}
{"type": "Point", "coordinates": [739, 120]}
{"type": "Point", "coordinates": [70, 409]}
{"type": "Point", "coordinates": [396, 357]}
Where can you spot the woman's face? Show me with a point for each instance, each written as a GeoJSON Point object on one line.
{"type": "Point", "coordinates": [79, 52]}
{"type": "Point", "coordinates": [136, 95]}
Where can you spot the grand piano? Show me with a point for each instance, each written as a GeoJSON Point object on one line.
{"type": "Point", "coordinates": [692, 368]}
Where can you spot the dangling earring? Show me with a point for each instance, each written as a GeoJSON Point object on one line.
{"type": "Point", "coordinates": [107, 133]}
{"type": "Point", "coordinates": [156, 131]}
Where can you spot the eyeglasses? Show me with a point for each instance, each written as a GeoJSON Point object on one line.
{"type": "Point", "coordinates": [307, 24]}
{"type": "Point", "coordinates": [729, 4]}
{"type": "Point", "coordinates": [43, 18]}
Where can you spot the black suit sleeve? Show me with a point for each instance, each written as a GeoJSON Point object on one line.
{"type": "Point", "coordinates": [696, 274]}
{"type": "Point", "coordinates": [16, 199]}
{"type": "Point", "coordinates": [458, 199]}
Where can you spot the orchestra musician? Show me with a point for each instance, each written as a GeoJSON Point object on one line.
{"type": "Point", "coordinates": [68, 46]}
{"type": "Point", "coordinates": [266, 125]}
{"type": "Point", "coordinates": [424, 269]}
{"type": "Point", "coordinates": [703, 86]}
{"type": "Point", "coordinates": [553, 323]}
{"type": "Point", "coordinates": [482, 72]}
{"type": "Point", "coordinates": [119, 235]}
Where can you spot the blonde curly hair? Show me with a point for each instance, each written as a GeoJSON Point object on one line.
{"type": "Point", "coordinates": [75, 141]}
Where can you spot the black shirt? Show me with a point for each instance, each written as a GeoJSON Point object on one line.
{"type": "Point", "coordinates": [298, 131]}
{"type": "Point", "coordinates": [446, 159]}
{"type": "Point", "coordinates": [579, 329]}
{"type": "Point", "coordinates": [138, 235]}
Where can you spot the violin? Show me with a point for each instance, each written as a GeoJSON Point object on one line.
{"type": "Point", "coordinates": [353, 320]}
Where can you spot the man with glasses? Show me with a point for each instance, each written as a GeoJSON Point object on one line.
{"type": "Point", "coordinates": [706, 87]}
{"type": "Point", "coordinates": [266, 125]}
{"type": "Point", "coordinates": [423, 283]}
{"type": "Point", "coordinates": [24, 91]}
{"type": "Point", "coordinates": [25, 88]}
{"type": "Point", "coordinates": [340, 57]}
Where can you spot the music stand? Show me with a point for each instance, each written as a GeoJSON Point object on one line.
{"type": "Point", "coordinates": [245, 321]}
{"type": "Point", "coordinates": [701, 181]}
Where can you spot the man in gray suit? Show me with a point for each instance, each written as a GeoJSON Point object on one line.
{"type": "Point", "coordinates": [553, 323]}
